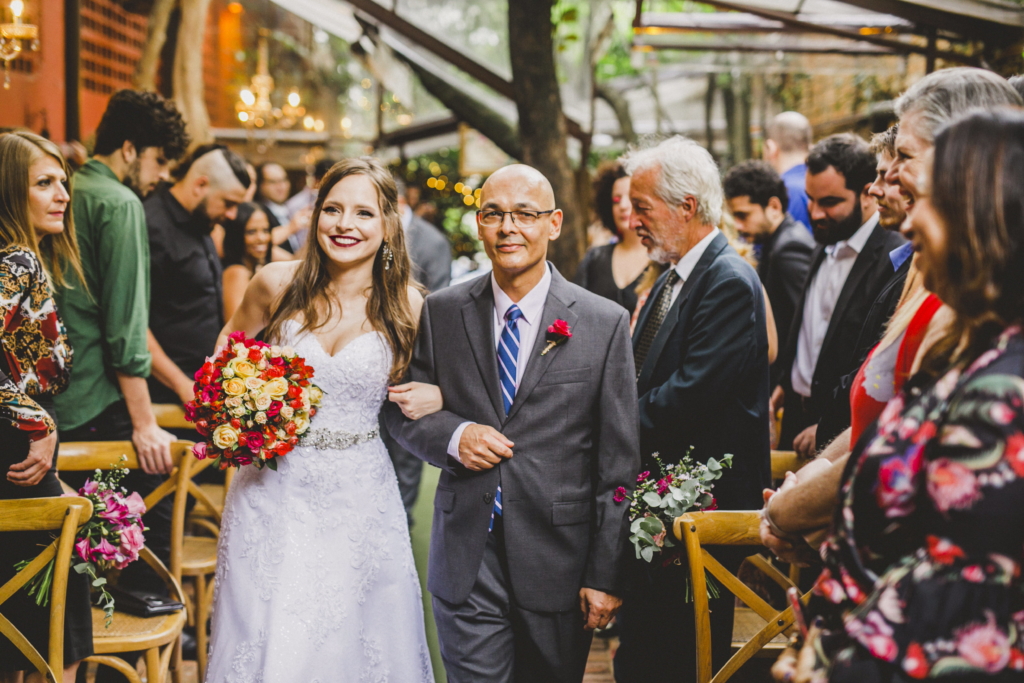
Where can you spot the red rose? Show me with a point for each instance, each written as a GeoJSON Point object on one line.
{"type": "Point", "coordinates": [255, 355]}
{"type": "Point", "coordinates": [254, 440]}
{"type": "Point", "coordinates": [560, 328]}
{"type": "Point", "coordinates": [942, 550]}
{"type": "Point", "coordinates": [290, 428]}
{"type": "Point", "coordinates": [294, 391]}
{"type": "Point", "coordinates": [275, 408]}
{"type": "Point", "coordinates": [236, 423]}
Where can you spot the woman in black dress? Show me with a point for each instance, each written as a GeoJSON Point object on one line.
{"type": "Point", "coordinates": [37, 249]}
{"type": "Point", "coordinates": [614, 270]}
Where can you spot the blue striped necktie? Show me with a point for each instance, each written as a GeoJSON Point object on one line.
{"type": "Point", "coordinates": [508, 372]}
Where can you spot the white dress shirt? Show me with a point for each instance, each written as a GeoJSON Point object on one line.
{"type": "Point", "coordinates": [689, 261]}
{"type": "Point", "coordinates": [822, 297]}
{"type": "Point", "coordinates": [528, 326]}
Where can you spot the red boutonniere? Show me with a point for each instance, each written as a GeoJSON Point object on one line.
{"type": "Point", "coordinates": [559, 332]}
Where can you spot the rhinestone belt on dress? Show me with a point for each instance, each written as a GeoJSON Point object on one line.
{"type": "Point", "coordinates": [324, 439]}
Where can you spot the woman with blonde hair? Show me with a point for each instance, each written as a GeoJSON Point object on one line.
{"type": "Point", "coordinates": [37, 249]}
{"type": "Point", "coordinates": [315, 575]}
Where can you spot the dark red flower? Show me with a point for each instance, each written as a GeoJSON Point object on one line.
{"type": "Point", "coordinates": [643, 475]}
{"type": "Point", "coordinates": [620, 494]}
{"type": "Point", "coordinates": [254, 440]}
{"type": "Point", "coordinates": [559, 328]}
{"type": "Point", "coordinates": [275, 408]}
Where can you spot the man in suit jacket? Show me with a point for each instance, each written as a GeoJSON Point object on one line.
{"type": "Point", "coordinates": [851, 266]}
{"type": "Point", "coordinates": [756, 197]}
{"type": "Point", "coordinates": [701, 355]}
{"type": "Point", "coordinates": [528, 548]}
{"type": "Point", "coordinates": [431, 256]}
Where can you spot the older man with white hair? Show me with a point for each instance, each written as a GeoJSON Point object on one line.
{"type": "Point", "coordinates": [701, 352]}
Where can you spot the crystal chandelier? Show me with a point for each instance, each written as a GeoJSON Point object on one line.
{"type": "Point", "coordinates": [255, 110]}
{"type": "Point", "coordinates": [13, 37]}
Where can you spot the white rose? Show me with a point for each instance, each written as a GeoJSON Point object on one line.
{"type": "Point", "coordinates": [227, 373]}
{"type": "Point", "coordinates": [287, 412]}
{"type": "Point", "coordinates": [239, 411]}
{"type": "Point", "coordinates": [301, 421]}
{"type": "Point", "coordinates": [275, 351]}
{"type": "Point", "coordinates": [288, 352]}
{"type": "Point", "coordinates": [261, 418]}
{"type": "Point", "coordinates": [233, 401]}
{"type": "Point", "coordinates": [240, 350]}
{"type": "Point", "coordinates": [254, 383]}
{"type": "Point", "coordinates": [263, 402]}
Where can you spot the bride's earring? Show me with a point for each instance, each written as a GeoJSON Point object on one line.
{"type": "Point", "coordinates": [388, 256]}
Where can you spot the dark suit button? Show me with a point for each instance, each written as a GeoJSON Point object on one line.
{"type": "Point", "coordinates": [488, 497]}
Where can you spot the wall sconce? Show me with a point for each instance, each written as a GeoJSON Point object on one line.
{"type": "Point", "coordinates": [13, 37]}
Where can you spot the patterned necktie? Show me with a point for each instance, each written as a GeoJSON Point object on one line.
{"type": "Point", "coordinates": [654, 320]}
{"type": "Point", "coordinates": [508, 372]}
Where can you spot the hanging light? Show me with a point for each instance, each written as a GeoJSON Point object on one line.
{"type": "Point", "coordinates": [254, 107]}
{"type": "Point", "coordinates": [13, 37]}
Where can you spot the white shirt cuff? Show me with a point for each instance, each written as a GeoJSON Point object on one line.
{"type": "Point", "coordinates": [453, 444]}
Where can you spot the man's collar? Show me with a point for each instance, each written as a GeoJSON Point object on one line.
{"type": "Point", "coordinates": [690, 258]}
{"type": "Point", "coordinates": [98, 166]}
{"type": "Point", "coordinates": [856, 241]}
{"type": "Point", "coordinates": [181, 216]}
{"type": "Point", "coordinates": [532, 305]}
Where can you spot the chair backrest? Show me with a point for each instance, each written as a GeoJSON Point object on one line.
{"type": "Point", "coordinates": [91, 455]}
{"type": "Point", "coordinates": [66, 515]}
{"type": "Point", "coordinates": [786, 461]}
{"type": "Point", "coordinates": [728, 528]}
{"type": "Point", "coordinates": [171, 416]}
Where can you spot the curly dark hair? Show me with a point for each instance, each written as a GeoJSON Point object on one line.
{"type": "Point", "coordinates": [849, 155]}
{"type": "Point", "coordinates": [146, 120]}
{"type": "Point", "coordinates": [757, 180]}
{"type": "Point", "coordinates": [607, 174]}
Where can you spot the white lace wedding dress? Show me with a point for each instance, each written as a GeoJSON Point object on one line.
{"type": "Point", "coordinates": [315, 577]}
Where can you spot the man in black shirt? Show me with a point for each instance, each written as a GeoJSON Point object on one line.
{"type": "Point", "coordinates": [186, 302]}
{"type": "Point", "coordinates": [756, 196]}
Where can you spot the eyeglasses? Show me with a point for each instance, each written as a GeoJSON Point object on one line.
{"type": "Point", "coordinates": [492, 218]}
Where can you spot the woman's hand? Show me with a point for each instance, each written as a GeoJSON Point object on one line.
{"type": "Point", "coordinates": [31, 470]}
{"type": "Point", "coordinates": [416, 399]}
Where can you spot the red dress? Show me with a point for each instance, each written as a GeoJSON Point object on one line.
{"type": "Point", "coordinates": [867, 399]}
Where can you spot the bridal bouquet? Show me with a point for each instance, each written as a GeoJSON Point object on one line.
{"type": "Point", "coordinates": [111, 539]}
{"type": "Point", "coordinates": [658, 499]}
{"type": "Point", "coordinates": [253, 402]}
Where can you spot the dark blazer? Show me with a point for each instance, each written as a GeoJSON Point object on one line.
{"type": "Point", "coordinates": [431, 254]}
{"type": "Point", "coordinates": [704, 382]}
{"type": "Point", "coordinates": [785, 261]}
{"type": "Point", "coordinates": [573, 423]}
{"type": "Point", "coordinates": [871, 272]}
{"type": "Point", "coordinates": [835, 415]}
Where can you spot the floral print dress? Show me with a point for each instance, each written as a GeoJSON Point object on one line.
{"type": "Point", "coordinates": [923, 568]}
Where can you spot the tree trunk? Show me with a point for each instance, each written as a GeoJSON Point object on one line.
{"type": "Point", "coordinates": [188, 79]}
{"type": "Point", "coordinates": [620, 106]}
{"type": "Point", "coordinates": [709, 112]}
{"type": "Point", "coordinates": [156, 35]}
{"type": "Point", "coordinates": [542, 129]}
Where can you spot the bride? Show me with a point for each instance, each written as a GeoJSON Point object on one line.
{"type": "Point", "coordinates": [315, 576]}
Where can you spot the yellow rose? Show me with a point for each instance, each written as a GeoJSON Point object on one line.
{"type": "Point", "coordinates": [225, 436]}
{"type": "Point", "coordinates": [315, 395]}
{"type": "Point", "coordinates": [244, 368]}
{"type": "Point", "coordinates": [234, 387]}
{"type": "Point", "coordinates": [276, 387]}
{"type": "Point", "coordinates": [301, 421]}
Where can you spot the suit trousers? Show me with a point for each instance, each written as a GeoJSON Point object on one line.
{"type": "Point", "coordinates": [657, 636]}
{"type": "Point", "coordinates": [490, 639]}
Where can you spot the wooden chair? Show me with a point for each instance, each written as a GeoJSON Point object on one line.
{"type": "Point", "coordinates": [188, 555]}
{"type": "Point", "coordinates": [171, 416]}
{"type": "Point", "coordinates": [728, 528]}
{"type": "Point", "coordinates": [65, 515]}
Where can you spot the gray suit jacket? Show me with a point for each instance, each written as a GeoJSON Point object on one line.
{"type": "Point", "coordinates": [574, 426]}
{"type": "Point", "coordinates": [431, 254]}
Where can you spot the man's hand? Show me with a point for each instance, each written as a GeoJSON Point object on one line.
{"type": "Point", "coordinates": [36, 464]}
{"type": "Point", "coordinates": [804, 443]}
{"type": "Point", "coordinates": [776, 401]}
{"type": "Point", "coordinates": [482, 447]}
{"type": "Point", "coordinates": [794, 551]}
{"type": "Point", "coordinates": [598, 608]}
{"type": "Point", "coordinates": [154, 448]}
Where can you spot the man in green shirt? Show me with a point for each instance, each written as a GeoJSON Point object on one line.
{"type": "Point", "coordinates": [108, 398]}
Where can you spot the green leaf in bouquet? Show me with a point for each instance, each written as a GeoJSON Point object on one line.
{"type": "Point", "coordinates": [648, 553]}
{"type": "Point", "coordinates": [652, 525]}
{"type": "Point", "coordinates": [704, 499]}
{"type": "Point", "coordinates": [635, 525]}
{"type": "Point", "coordinates": [645, 536]}
{"type": "Point", "coordinates": [99, 582]}
{"type": "Point", "coordinates": [272, 464]}
{"type": "Point", "coordinates": [727, 460]}
{"type": "Point", "coordinates": [713, 465]}
{"type": "Point", "coordinates": [652, 499]}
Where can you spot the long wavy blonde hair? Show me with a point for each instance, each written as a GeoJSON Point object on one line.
{"type": "Point", "coordinates": [388, 308]}
{"type": "Point", "coordinates": [58, 253]}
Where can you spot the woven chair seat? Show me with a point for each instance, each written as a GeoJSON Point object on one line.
{"type": "Point", "coordinates": [745, 626]}
{"type": "Point", "coordinates": [128, 632]}
{"type": "Point", "coordinates": [199, 555]}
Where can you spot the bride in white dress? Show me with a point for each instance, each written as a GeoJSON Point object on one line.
{"type": "Point", "coordinates": [315, 577]}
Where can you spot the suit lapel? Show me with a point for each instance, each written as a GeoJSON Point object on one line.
{"type": "Point", "coordinates": [672, 317]}
{"type": "Point", "coordinates": [866, 259]}
{"type": "Point", "coordinates": [478, 319]}
{"type": "Point", "coordinates": [560, 298]}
